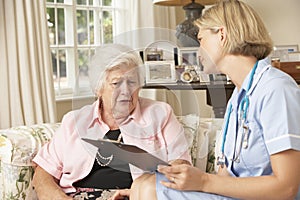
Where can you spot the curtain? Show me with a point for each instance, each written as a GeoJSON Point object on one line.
{"type": "Point", "coordinates": [26, 80]}
{"type": "Point", "coordinates": [140, 23]}
{"type": "Point", "coordinates": [145, 24]}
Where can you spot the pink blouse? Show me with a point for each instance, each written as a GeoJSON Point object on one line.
{"type": "Point", "coordinates": [152, 126]}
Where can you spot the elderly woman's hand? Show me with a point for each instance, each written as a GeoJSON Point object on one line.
{"type": "Point", "coordinates": [121, 194]}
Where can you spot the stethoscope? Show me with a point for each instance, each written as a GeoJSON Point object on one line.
{"type": "Point", "coordinates": [243, 110]}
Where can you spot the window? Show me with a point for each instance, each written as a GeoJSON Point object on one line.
{"type": "Point", "coordinates": [76, 27]}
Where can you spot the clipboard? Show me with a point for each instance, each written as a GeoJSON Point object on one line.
{"type": "Point", "coordinates": [128, 153]}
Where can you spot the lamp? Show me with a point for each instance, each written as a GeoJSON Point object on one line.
{"type": "Point", "coordinates": [186, 31]}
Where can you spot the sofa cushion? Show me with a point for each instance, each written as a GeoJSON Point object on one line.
{"type": "Point", "coordinates": [190, 124]}
{"type": "Point", "coordinates": [209, 128]}
{"type": "Point", "coordinates": [18, 146]}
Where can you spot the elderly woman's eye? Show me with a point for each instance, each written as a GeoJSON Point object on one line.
{"type": "Point", "coordinates": [132, 82]}
{"type": "Point", "coordinates": [116, 83]}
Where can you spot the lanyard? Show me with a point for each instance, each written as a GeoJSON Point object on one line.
{"type": "Point", "coordinates": [243, 112]}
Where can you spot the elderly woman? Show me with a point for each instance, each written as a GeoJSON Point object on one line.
{"type": "Point", "coordinates": [68, 165]}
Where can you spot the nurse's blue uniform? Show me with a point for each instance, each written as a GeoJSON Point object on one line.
{"type": "Point", "coordinates": [273, 120]}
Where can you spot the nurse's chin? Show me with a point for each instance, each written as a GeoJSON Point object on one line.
{"type": "Point", "coordinates": [208, 70]}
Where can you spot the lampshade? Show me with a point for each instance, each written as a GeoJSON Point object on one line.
{"type": "Point", "coordinates": [182, 2]}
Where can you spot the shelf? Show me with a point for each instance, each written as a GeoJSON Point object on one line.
{"type": "Point", "coordinates": [217, 92]}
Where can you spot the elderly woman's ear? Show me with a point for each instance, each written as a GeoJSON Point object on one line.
{"type": "Point", "coordinates": [99, 92]}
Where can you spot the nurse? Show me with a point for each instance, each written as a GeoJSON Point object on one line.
{"type": "Point", "coordinates": [259, 157]}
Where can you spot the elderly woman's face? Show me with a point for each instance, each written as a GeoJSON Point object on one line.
{"type": "Point", "coordinates": [121, 90]}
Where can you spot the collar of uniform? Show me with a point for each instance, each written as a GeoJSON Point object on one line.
{"type": "Point", "coordinates": [238, 95]}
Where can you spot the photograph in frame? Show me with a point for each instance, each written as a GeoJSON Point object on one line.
{"type": "Point", "coordinates": [288, 48]}
{"type": "Point", "coordinates": [282, 52]}
{"type": "Point", "coordinates": [188, 56]}
{"type": "Point", "coordinates": [294, 57]}
{"type": "Point", "coordinates": [160, 71]}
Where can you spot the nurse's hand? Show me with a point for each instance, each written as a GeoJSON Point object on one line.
{"type": "Point", "coordinates": [222, 171]}
{"type": "Point", "coordinates": [183, 177]}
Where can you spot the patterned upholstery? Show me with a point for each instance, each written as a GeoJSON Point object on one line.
{"type": "Point", "coordinates": [209, 129]}
{"type": "Point", "coordinates": [18, 145]}
{"type": "Point", "coordinates": [190, 124]}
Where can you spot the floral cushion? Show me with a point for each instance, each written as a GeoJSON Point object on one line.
{"type": "Point", "coordinates": [18, 146]}
{"type": "Point", "coordinates": [209, 128]}
{"type": "Point", "coordinates": [190, 124]}
{"type": "Point", "coordinates": [201, 134]}
{"type": "Point", "coordinates": [21, 143]}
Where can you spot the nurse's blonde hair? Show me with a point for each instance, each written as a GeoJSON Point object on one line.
{"type": "Point", "coordinates": [246, 32]}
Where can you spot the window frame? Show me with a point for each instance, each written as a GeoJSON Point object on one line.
{"type": "Point", "coordinates": [74, 88]}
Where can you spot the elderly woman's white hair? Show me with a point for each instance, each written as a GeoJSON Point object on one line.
{"type": "Point", "coordinates": [109, 56]}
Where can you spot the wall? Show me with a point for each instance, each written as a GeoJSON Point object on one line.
{"type": "Point", "coordinates": [65, 105]}
{"type": "Point", "coordinates": [281, 19]}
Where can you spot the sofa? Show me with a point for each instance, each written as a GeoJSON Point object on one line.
{"type": "Point", "coordinates": [18, 146]}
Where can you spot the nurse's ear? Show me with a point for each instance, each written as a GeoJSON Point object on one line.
{"type": "Point", "coordinates": [222, 36]}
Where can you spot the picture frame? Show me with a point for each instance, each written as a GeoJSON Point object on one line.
{"type": "Point", "coordinates": [288, 48]}
{"type": "Point", "coordinates": [294, 56]}
{"type": "Point", "coordinates": [188, 56]}
{"type": "Point", "coordinates": [282, 52]}
{"type": "Point", "coordinates": [160, 71]}
{"type": "Point", "coordinates": [204, 78]}
{"type": "Point", "coordinates": [218, 77]}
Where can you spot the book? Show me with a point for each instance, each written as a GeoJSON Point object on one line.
{"type": "Point", "coordinates": [128, 153]}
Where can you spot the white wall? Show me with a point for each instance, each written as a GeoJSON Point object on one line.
{"type": "Point", "coordinates": [65, 105]}
{"type": "Point", "coordinates": [281, 18]}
